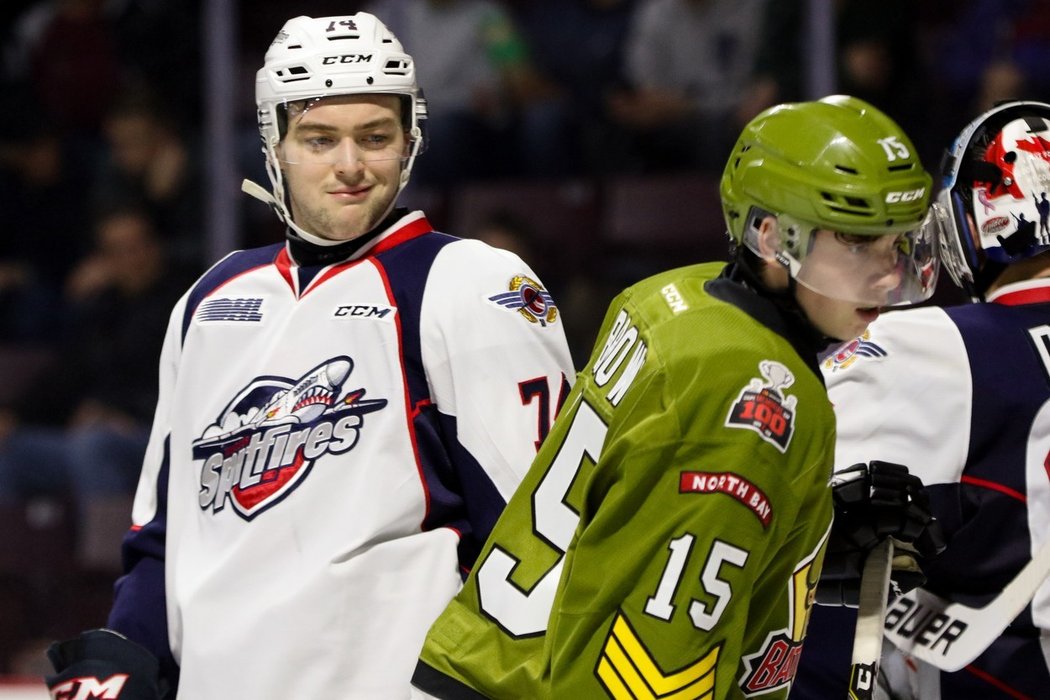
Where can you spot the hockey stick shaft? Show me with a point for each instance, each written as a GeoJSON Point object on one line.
{"type": "Point", "coordinates": [867, 640]}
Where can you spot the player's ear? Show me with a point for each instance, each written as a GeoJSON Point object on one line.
{"type": "Point", "coordinates": [768, 238]}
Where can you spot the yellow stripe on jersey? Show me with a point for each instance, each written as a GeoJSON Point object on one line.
{"type": "Point", "coordinates": [803, 593]}
{"type": "Point", "coordinates": [629, 672]}
{"type": "Point", "coordinates": [611, 681]}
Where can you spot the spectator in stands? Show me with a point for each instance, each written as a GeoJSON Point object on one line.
{"type": "Point", "coordinates": [687, 64]}
{"type": "Point", "coordinates": [490, 111]}
{"type": "Point", "coordinates": [159, 43]}
{"type": "Point", "coordinates": [579, 45]}
{"type": "Point", "coordinates": [501, 228]}
{"type": "Point", "coordinates": [79, 54]}
{"type": "Point", "coordinates": [1001, 80]}
{"type": "Point", "coordinates": [83, 431]}
{"type": "Point", "coordinates": [876, 51]}
{"type": "Point", "coordinates": [41, 197]}
{"type": "Point", "coordinates": [994, 50]}
{"type": "Point", "coordinates": [67, 51]}
{"type": "Point", "coordinates": [149, 164]}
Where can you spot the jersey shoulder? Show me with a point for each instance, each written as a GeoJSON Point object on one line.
{"type": "Point", "coordinates": [670, 348]}
{"type": "Point", "coordinates": [902, 387]}
{"type": "Point", "coordinates": [480, 258]}
{"type": "Point", "coordinates": [689, 330]}
{"type": "Point", "coordinates": [901, 341]}
{"type": "Point", "coordinates": [468, 270]}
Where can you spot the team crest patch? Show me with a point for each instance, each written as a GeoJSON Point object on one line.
{"type": "Point", "coordinates": [528, 297]}
{"type": "Point", "coordinates": [732, 485]}
{"type": "Point", "coordinates": [774, 664]}
{"type": "Point", "coordinates": [773, 667]}
{"type": "Point", "coordinates": [264, 443]}
{"type": "Point", "coordinates": [848, 353]}
{"type": "Point", "coordinates": [763, 407]}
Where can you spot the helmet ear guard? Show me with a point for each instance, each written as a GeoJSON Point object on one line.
{"type": "Point", "coordinates": [787, 242]}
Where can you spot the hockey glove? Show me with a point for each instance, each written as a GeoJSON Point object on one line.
{"type": "Point", "coordinates": [103, 664]}
{"type": "Point", "coordinates": [874, 501]}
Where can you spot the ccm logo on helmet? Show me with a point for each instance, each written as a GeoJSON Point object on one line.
{"type": "Point", "coordinates": [347, 58]}
{"type": "Point", "coordinates": [910, 196]}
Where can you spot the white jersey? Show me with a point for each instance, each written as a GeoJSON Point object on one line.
{"type": "Point", "coordinates": [330, 449]}
{"type": "Point", "coordinates": [962, 397]}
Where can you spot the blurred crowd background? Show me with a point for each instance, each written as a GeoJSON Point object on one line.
{"type": "Point", "coordinates": [586, 135]}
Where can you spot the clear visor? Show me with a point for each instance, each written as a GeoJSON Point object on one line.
{"type": "Point", "coordinates": [871, 270]}
{"type": "Point", "coordinates": [310, 141]}
{"type": "Point", "coordinates": [868, 270]}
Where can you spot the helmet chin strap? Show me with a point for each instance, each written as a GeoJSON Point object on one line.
{"type": "Point", "coordinates": [264, 195]}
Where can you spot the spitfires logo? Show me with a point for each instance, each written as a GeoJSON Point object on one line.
{"type": "Point", "coordinates": [530, 299]}
{"type": "Point", "coordinates": [763, 407]}
{"type": "Point", "coordinates": [263, 444]}
{"type": "Point", "coordinates": [848, 353]}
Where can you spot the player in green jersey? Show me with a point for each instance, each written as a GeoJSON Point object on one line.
{"type": "Point", "coordinates": [668, 540]}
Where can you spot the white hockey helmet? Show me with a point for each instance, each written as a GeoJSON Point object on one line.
{"type": "Point", "coordinates": [316, 57]}
{"type": "Point", "coordinates": [993, 207]}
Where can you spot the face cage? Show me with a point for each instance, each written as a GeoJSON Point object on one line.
{"type": "Point", "coordinates": [947, 218]}
{"type": "Point", "coordinates": [918, 270]}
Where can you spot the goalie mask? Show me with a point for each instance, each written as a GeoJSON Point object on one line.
{"type": "Point", "coordinates": [315, 58]}
{"type": "Point", "coordinates": [848, 194]}
{"type": "Point", "coordinates": [994, 206]}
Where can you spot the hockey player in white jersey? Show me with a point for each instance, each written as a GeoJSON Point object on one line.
{"type": "Point", "coordinates": [964, 394]}
{"type": "Point", "coordinates": [342, 416]}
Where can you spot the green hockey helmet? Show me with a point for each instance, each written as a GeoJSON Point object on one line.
{"type": "Point", "coordinates": [839, 165]}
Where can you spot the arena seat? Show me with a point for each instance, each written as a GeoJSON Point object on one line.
{"type": "Point", "coordinates": [21, 366]}
{"type": "Point", "coordinates": [560, 215]}
{"type": "Point", "coordinates": [677, 213]}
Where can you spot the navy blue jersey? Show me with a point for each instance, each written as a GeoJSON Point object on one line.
{"type": "Point", "coordinates": [962, 397]}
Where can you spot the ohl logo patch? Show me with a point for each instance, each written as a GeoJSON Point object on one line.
{"type": "Point", "coordinates": [763, 407]}
{"type": "Point", "coordinates": [528, 298]}
{"type": "Point", "coordinates": [263, 444]}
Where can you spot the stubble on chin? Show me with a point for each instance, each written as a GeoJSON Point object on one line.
{"type": "Point", "coordinates": [326, 224]}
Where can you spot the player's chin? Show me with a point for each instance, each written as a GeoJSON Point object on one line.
{"type": "Point", "coordinates": [848, 327]}
{"type": "Point", "coordinates": [867, 314]}
{"type": "Point", "coordinates": [352, 221]}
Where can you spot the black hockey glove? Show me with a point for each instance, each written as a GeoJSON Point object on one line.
{"type": "Point", "coordinates": [874, 501]}
{"type": "Point", "coordinates": [103, 664]}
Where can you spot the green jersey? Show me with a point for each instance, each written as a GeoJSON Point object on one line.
{"type": "Point", "coordinates": [667, 540]}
